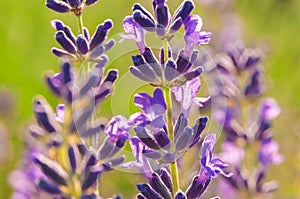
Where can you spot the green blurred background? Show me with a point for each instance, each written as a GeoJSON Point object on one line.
{"type": "Point", "coordinates": [26, 38]}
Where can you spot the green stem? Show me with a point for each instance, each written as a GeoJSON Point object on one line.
{"type": "Point", "coordinates": [80, 24]}
{"type": "Point", "coordinates": [173, 165]}
{"type": "Point", "coordinates": [165, 50]}
{"type": "Point", "coordinates": [168, 97]}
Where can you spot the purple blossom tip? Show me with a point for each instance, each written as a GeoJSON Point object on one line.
{"type": "Point", "coordinates": [180, 195]}
{"type": "Point", "coordinates": [143, 20]}
{"type": "Point", "coordinates": [162, 14]}
{"type": "Point", "coordinates": [65, 42]}
{"type": "Point", "coordinates": [184, 10]}
{"type": "Point", "coordinates": [58, 25]}
{"type": "Point", "coordinates": [58, 6]}
{"type": "Point", "coordinates": [82, 44]}
{"type": "Point", "coordinates": [100, 34]}
{"type": "Point", "coordinates": [90, 2]}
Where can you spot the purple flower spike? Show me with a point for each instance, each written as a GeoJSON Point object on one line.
{"type": "Point", "coordinates": [145, 137]}
{"type": "Point", "coordinates": [58, 6]}
{"type": "Point", "coordinates": [197, 187]}
{"type": "Point", "coordinates": [198, 129]}
{"type": "Point", "coordinates": [183, 140]}
{"type": "Point", "coordinates": [268, 153]}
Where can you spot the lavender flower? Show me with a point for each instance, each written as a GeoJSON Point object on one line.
{"type": "Point", "coordinates": [166, 72]}
{"type": "Point", "coordinates": [25, 179]}
{"type": "Point", "coordinates": [172, 73]}
{"type": "Point", "coordinates": [186, 95]}
{"type": "Point", "coordinates": [96, 87]}
{"type": "Point", "coordinates": [134, 32]}
{"type": "Point", "coordinates": [83, 47]}
{"type": "Point", "coordinates": [75, 6]}
{"type": "Point", "coordinates": [151, 129]}
{"type": "Point", "coordinates": [244, 124]}
{"type": "Point", "coordinates": [160, 183]}
{"type": "Point", "coordinates": [164, 25]}
{"type": "Point", "coordinates": [210, 168]}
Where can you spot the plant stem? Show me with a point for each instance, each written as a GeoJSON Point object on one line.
{"type": "Point", "coordinates": [80, 24]}
{"type": "Point", "coordinates": [168, 97]}
{"type": "Point", "coordinates": [65, 133]}
{"type": "Point", "coordinates": [165, 51]}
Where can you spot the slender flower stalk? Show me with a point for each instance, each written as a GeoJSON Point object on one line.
{"type": "Point", "coordinates": [160, 140]}
{"type": "Point", "coordinates": [80, 24]}
{"type": "Point", "coordinates": [173, 165]}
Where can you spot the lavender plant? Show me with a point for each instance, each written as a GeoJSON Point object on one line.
{"type": "Point", "coordinates": [58, 163]}
{"type": "Point", "coordinates": [162, 136]}
{"type": "Point", "coordinates": [246, 116]}
{"type": "Point", "coordinates": [68, 150]}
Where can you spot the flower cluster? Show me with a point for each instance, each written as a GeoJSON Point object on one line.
{"type": "Point", "coordinates": [75, 6]}
{"type": "Point", "coordinates": [246, 125]}
{"type": "Point", "coordinates": [163, 136]}
{"type": "Point", "coordinates": [168, 70]}
{"type": "Point", "coordinates": [69, 150]}
{"type": "Point", "coordinates": [161, 185]}
{"type": "Point", "coordinates": [83, 47]}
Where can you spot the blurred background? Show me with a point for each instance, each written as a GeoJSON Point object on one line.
{"type": "Point", "coordinates": [26, 38]}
